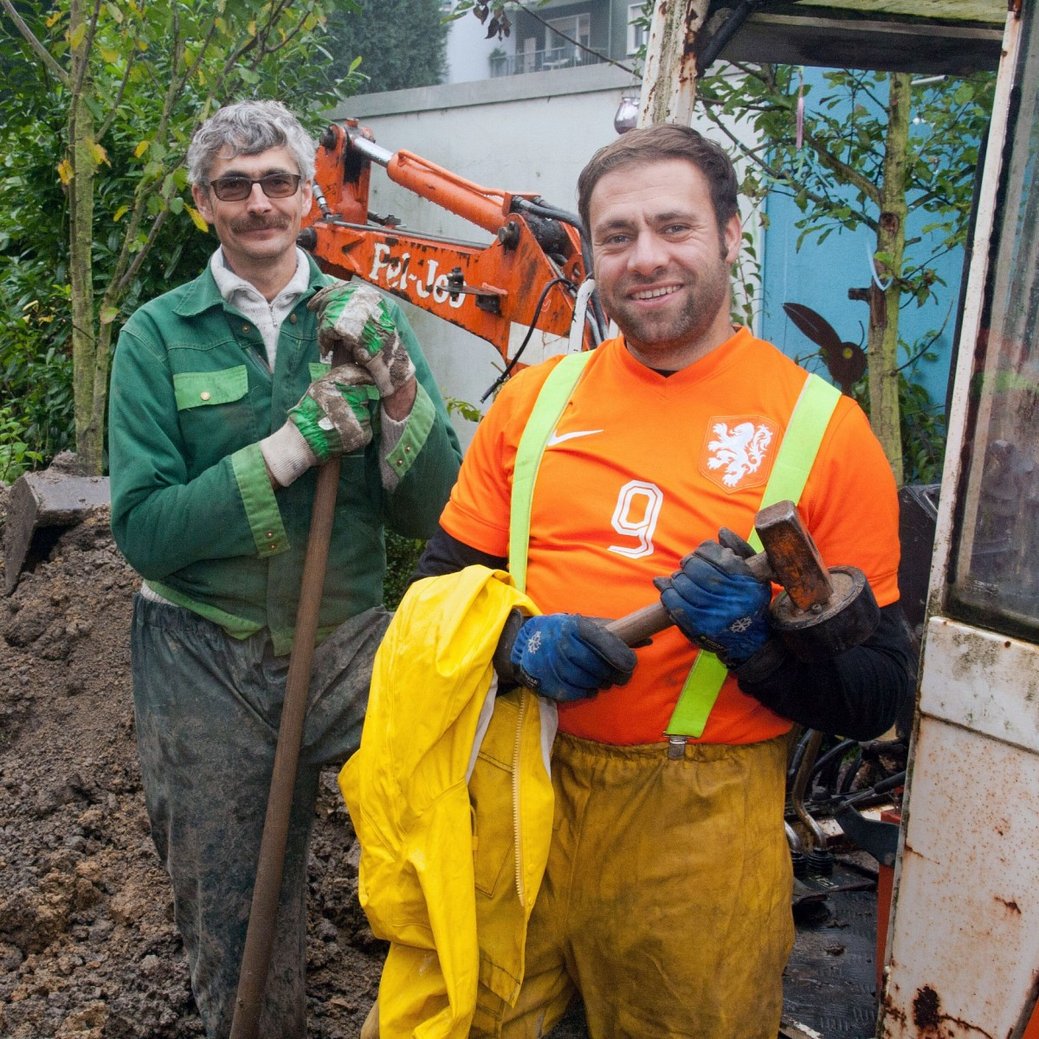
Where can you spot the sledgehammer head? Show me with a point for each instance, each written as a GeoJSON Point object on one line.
{"type": "Point", "coordinates": [790, 557]}
{"type": "Point", "coordinates": [820, 612]}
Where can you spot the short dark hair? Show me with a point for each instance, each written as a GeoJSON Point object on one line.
{"type": "Point", "coordinates": [664, 141]}
{"type": "Point", "coordinates": [249, 128]}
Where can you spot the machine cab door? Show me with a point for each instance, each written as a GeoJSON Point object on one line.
{"type": "Point", "coordinates": [963, 942]}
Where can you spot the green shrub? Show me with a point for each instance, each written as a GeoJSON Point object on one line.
{"type": "Point", "coordinates": [35, 369]}
{"type": "Point", "coordinates": [402, 556]}
{"type": "Point", "coordinates": [15, 455]}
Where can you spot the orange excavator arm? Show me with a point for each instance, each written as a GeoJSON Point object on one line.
{"type": "Point", "coordinates": [529, 276]}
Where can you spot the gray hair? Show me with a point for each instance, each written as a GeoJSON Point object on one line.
{"type": "Point", "coordinates": [248, 128]}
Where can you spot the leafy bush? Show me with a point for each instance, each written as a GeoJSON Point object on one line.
{"type": "Point", "coordinates": [35, 368]}
{"type": "Point", "coordinates": [923, 433]}
{"type": "Point", "coordinates": [401, 559]}
{"type": "Point", "coordinates": [15, 455]}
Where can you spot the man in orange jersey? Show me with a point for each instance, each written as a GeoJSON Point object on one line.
{"type": "Point", "coordinates": [666, 900]}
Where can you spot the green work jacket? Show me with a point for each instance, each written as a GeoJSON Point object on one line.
{"type": "Point", "coordinates": [193, 509]}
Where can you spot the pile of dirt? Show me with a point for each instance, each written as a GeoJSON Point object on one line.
{"type": "Point", "coordinates": [88, 948]}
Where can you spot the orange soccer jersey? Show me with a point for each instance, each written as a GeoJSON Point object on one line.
{"type": "Point", "coordinates": [639, 470]}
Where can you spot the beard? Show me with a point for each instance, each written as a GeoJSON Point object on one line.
{"type": "Point", "coordinates": [703, 296]}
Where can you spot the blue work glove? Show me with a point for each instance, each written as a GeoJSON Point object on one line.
{"type": "Point", "coordinates": [717, 602]}
{"type": "Point", "coordinates": [355, 319]}
{"type": "Point", "coordinates": [565, 656]}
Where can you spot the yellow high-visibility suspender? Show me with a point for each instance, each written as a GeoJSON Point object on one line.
{"type": "Point", "coordinates": [542, 420]}
{"type": "Point", "coordinates": [804, 435]}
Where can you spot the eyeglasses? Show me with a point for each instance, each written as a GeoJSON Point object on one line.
{"type": "Point", "coordinates": [237, 188]}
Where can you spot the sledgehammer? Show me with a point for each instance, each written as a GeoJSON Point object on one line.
{"type": "Point", "coordinates": [819, 613]}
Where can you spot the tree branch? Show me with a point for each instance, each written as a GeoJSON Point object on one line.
{"type": "Point", "coordinates": [81, 54]}
{"type": "Point", "coordinates": [777, 176]}
{"type": "Point", "coordinates": [126, 270]}
{"type": "Point", "coordinates": [38, 48]}
{"type": "Point", "coordinates": [113, 111]}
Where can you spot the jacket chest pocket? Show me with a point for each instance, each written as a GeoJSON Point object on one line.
{"type": "Point", "coordinates": [215, 413]}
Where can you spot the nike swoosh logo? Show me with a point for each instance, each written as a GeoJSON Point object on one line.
{"type": "Point", "coordinates": [561, 438]}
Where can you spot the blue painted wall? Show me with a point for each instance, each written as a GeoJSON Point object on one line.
{"type": "Point", "coordinates": [819, 276]}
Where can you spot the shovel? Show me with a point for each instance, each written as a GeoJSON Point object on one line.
{"type": "Point", "coordinates": [259, 936]}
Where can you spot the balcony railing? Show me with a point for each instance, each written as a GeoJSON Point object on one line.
{"type": "Point", "coordinates": [541, 60]}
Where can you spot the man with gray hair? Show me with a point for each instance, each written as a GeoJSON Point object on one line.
{"type": "Point", "coordinates": [222, 407]}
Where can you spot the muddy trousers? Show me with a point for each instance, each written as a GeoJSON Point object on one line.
{"type": "Point", "coordinates": [207, 709]}
{"type": "Point", "coordinates": [666, 903]}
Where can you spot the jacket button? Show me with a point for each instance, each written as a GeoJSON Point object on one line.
{"type": "Point", "coordinates": [205, 395]}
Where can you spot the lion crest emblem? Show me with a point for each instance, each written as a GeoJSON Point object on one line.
{"type": "Point", "coordinates": [738, 450]}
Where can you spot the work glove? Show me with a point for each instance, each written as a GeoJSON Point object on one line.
{"type": "Point", "coordinates": [355, 319]}
{"type": "Point", "coordinates": [333, 414]}
{"type": "Point", "coordinates": [717, 602]}
{"type": "Point", "coordinates": [565, 656]}
{"type": "Point", "coordinates": [331, 419]}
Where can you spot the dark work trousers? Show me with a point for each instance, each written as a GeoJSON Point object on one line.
{"type": "Point", "coordinates": [207, 709]}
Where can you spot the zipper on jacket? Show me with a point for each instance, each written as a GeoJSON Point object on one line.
{"type": "Point", "coordinates": [516, 825]}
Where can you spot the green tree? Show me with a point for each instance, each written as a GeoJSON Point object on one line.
{"type": "Point", "coordinates": [400, 43]}
{"type": "Point", "coordinates": [871, 149]}
{"type": "Point", "coordinates": [94, 152]}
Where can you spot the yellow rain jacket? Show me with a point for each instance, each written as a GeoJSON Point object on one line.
{"type": "Point", "coordinates": [451, 799]}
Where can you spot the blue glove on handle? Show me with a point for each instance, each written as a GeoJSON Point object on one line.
{"type": "Point", "coordinates": [565, 656]}
{"type": "Point", "coordinates": [718, 603]}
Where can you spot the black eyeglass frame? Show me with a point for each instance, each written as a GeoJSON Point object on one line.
{"type": "Point", "coordinates": [235, 181]}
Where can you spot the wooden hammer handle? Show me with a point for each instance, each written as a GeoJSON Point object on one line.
{"type": "Point", "coordinates": [790, 559]}
{"type": "Point", "coordinates": [643, 623]}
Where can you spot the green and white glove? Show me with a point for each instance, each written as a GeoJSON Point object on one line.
{"type": "Point", "coordinates": [356, 320]}
{"type": "Point", "coordinates": [331, 419]}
